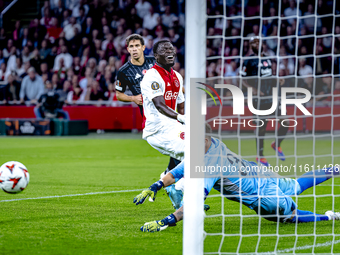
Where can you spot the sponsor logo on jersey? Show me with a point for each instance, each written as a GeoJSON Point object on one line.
{"type": "Point", "coordinates": [168, 84]}
{"type": "Point", "coordinates": [144, 71]}
{"type": "Point", "coordinates": [137, 76]}
{"type": "Point", "coordinates": [169, 95]}
{"type": "Point", "coordinates": [155, 85]}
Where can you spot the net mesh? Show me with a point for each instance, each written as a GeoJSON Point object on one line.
{"type": "Point", "coordinates": [302, 41]}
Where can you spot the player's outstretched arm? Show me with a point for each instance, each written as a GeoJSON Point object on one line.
{"type": "Point", "coordinates": [161, 106]}
{"type": "Point", "coordinates": [159, 225]}
{"type": "Point", "coordinates": [125, 98]}
{"type": "Point", "coordinates": [167, 180]}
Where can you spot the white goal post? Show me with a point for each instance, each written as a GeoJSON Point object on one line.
{"type": "Point", "coordinates": [195, 66]}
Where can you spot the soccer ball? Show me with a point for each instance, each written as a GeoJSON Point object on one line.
{"type": "Point", "coordinates": [14, 177]}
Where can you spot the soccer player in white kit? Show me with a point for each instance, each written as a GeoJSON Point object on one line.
{"type": "Point", "coordinates": [162, 93]}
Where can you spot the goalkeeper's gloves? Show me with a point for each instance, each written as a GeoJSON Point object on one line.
{"type": "Point", "coordinates": [159, 225]}
{"type": "Point", "coordinates": [181, 118]}
{"type": "Point", "coordinates": [151, 191]}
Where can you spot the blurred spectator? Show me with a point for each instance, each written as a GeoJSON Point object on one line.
{"type": "Point", "coordinates": [110, 94]}
{"type": "Point", "coordinates": [67, 59]}
{"type": "Point", "coordinates": [59, 11]}
{"type": "Point", "coordinates": [2, 59]}
{"type": "Point", "coordinates": [255, 32]}
{"type": "Point", "coordinates": [143, 8]}
{"type": "Point", "coordinates": [25, 54]}
{"type": "Point", "coordinates": [3, 72]}
{"type": "Point", "coordinates": [82, 17]}
{"type": "Point", "coordinates": [78, 6]}
{"type": "Point", "coordinates": [55, 81]}
{"type": "Point", "coordinates": [84, 44]}
{"type": "Point", "coordinates": [49, 105]}
{"type": "Point", "coordinates": [326, 41]}
{"type": "Point", "coordinates": [151, 20]}
{"type": "Point", "coordinates": [86, 81]}
{"type": "Point", "coordinates": [64, 91]}
{"type": "Point", "coordinates": [65, 19]}
{"type": "Point", "coordinates": [133, 19]}
{"type": "Point", "coordinates": [148, 48]}
{"type": "Point", "coordinates": [168, 17]}
{"type": "Point", "coordinates": [272, 43]}
{"type": "Point", "coordinates": [46, 19]}
{"type": "Point", "coordinates": [88, 27]}
{"type": "Point", "coordinates": [70, 29]}
{"type": "Point", "coordinates": [20, 69]}
{"type": "Point", "coordinates": [308, 83]}
{"type": "Point", "coordinates": [17, 32]}
{"type": "Point", "coordinates": [303, 68]}
{"type": "Point", "coordinates": [12, 89]}
{"type": "Point", "coordinates": [32, 87]}
{"type": "Point", "coordinates": [44, 70]}
{"type": "Point", "coordinates": [7, 51]}
{"type": "Point", "coordinates": [291, 11]}
{"type": "Point", "coordinates": [54, 31]}
{"type": "Point", "coordinates": [46, 6]}
{"type": "Point", "coordinates": [44, 51]}
{"type": "Point", "coordinates": [35, 60]}
{"type": "Point", "coordinates": [96, 94]}
{"type": "Point", "coordinates": [75, 95]}
{"type": "Point", "coordinates": [266, 50]}
{"type": "Point", "coordinates": [324, 88]}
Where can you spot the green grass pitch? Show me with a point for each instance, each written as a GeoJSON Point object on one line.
{"type": "Point", "coordinates": [109, 223]}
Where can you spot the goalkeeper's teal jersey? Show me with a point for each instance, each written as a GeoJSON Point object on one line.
{"type": "Point", "coordinates": [241, 180]}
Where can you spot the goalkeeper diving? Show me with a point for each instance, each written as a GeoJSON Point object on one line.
{"type": "Point", "coordinates": [267, 193]}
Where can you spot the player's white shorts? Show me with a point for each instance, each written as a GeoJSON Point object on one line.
{"type": "Point", "coordinates": [169, 140]}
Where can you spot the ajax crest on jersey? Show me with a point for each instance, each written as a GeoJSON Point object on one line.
{"type": "Point", "coordinates": [14, 177]}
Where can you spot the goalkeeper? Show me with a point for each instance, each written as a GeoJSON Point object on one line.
{"type": "Point", "coordinates": [267, 193]}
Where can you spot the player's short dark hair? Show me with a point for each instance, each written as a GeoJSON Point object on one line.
{"type": "Point", "coordinates": [155, 47]}
{"type": "Point", "coordinates": [134, 37]}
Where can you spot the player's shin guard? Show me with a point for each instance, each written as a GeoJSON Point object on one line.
{"type": "Point", "coordinates": [316, 177]}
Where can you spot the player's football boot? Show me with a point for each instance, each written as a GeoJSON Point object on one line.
{"type": "Point", "coordinates": [263, 161]}
{"type": "Point", "coordinates": [279, 152]}
{"type": "Point", "coordinates": [333, 215]}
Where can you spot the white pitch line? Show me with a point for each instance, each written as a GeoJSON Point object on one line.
{"type": "Point", "coordinates": [71, 195]}
{"type": "Point", "coordinates": [307, 247]}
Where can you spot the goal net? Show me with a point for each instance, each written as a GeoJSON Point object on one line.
{"type": "Point", "coordinates": [298, 48]}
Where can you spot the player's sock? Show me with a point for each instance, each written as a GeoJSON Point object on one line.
{"type": "Point", "coordinates": [306, 216]}
{"type": "Point", "coordinates": [282, 133]}
{"type": "Point", "coordinates": [316, 177]}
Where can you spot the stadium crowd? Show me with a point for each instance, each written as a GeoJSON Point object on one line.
{"type": "Point", "coordinates": [297, 44]}
{"type": "Point", "coordinates": [78, 46]}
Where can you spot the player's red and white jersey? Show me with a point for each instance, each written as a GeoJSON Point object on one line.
{"type": "Point", "coordinates": [159, 82]}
